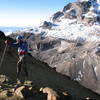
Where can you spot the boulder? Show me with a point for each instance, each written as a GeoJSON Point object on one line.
{"type": "Point", "coordinates": [3, 94]}
{"type": "Point", "coordinates": [23, 92]}
{"type": "Point", "coordinates": [52, 95]}
{"type": "Point", "coordinates": [18, 92]}
{"type": "Point", "coordinates": [3, 79]}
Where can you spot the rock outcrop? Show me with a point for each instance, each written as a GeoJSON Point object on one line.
{"type": "Point", "coordinates": [47, 25]}
{"type": "Point", "coordinates": [52, 95]}
{"type": "Point", "coordinates": [56, 16]}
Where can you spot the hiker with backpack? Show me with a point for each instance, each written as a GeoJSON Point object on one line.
{"type": "Point", "coordinates": [22, 53]}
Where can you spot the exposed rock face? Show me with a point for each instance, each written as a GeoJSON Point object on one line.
{"type": "Point", "coordinates": [47, 25]}
{"type": "Point", "coordinates": [81, 62]}
{"type": "Point", "coordinates": [56, 16]}
{"type": "Point", "coordinates": [67, 7]}
{"type": "Point", "coordinates": [73, 10]}
{"type": "Point", "coordinates": [80, 11]}
{"type": "Point", "coordinates": [42, 75]}
{"type": "Point", "coordinates": [70, 14]}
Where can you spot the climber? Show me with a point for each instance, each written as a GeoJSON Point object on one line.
{"type": "Point", "coordinates": [22, 53]}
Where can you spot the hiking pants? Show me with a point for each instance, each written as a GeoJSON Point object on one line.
{"type": "Point", "coordinates": [22, 64]}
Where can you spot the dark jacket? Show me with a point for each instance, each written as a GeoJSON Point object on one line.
{"type": "Point", "coordinates": [22, 47]}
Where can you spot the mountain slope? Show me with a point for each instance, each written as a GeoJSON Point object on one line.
{"type": "Point", "coordinates": [42, 75]}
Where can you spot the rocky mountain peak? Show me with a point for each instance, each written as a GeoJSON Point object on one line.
{"type": "Point", "coordinates": [80, 10]}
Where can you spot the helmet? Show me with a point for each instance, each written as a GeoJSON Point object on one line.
{"type": "Point", "coordinates": [19, 37]}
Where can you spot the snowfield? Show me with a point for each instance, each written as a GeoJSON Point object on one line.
{"type": "Point", "coordinates": [69, 30]}
{"type": "Point", "coordinates": [72, 30]}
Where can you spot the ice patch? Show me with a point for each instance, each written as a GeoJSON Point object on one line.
{"type": "Point", "coordinates": [79, 77]}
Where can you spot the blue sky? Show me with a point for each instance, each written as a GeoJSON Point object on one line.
{"type": "Point", "coordinates": [28, 12]}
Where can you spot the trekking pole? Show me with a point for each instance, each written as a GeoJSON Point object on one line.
{"type": "Point", "coordinates": [3, 56]}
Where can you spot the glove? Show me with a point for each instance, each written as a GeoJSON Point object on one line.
{"type": "Point", "coordinates": [8, 42]}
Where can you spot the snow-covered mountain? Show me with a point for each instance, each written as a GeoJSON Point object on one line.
{"type": "Point", "coordinates": [77, 21]}
{"type": "Point", "coordinates": [69, 42]}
